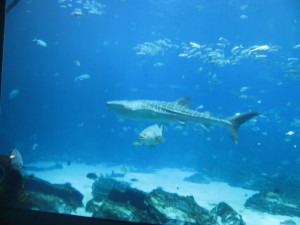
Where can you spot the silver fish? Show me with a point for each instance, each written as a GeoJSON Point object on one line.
{"type": "Point", "coordinates": [150, 136]}
{"type": "Point", "coordinates": [16, 159]}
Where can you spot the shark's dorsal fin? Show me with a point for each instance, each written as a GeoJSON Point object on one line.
{"type": "Point", "coordinates": [185, 101]}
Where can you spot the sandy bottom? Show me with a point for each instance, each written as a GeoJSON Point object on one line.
{"type": "Point", "coordinates": [171, 180]}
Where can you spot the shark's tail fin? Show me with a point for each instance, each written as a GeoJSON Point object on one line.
{"type": "Point", "coordinates": [237, 121]}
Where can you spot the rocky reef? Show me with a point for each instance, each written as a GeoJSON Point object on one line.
{"type": "Point", "coordinates": [42, 195]}
{"type": "Point", "coordinates": [275, 202]}
{"type": "Point", "coordinates": [117, 200]}
{"type": "Point", "coordinates": [278, 193]}
{"type": "Point", "coordinates": [227, 215]}
{"type": "Point", "coordinates": [248, 179]}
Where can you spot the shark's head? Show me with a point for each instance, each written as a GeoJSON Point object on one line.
{"type": "Point", "coordinates": [129, 109]}
{"type": "Point", "coordinates": [122, 108]}
{"type": "Point", "coordinates": [116, 106]}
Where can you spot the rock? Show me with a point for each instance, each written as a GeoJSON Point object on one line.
{"type": "Point", "coordinates": [102, 187]}
{"type": "Point", "coordinates": [117, 211]}
{"type": "Point", "coordinates": [124, 195]}
{"type": "Point", "coordinates": [117, 200]}
{"type": "Point", "coordinates": [43, 192]}
{"type": "Point", "coordinates": [92, 206]}
{"type": "Point", "coordinates": [277, 203]}
{"type": "Point", "coordinates": [127, 212]}
{"type": "Point", "coordinates": [11, 186]}
{"type": "Point", "coordinates": [288, 222]}
{"type": "Point", "coordinates": [49, 203]}
{"type": "Point", "coordinates": [184, 210]}
{"type": "Point", "coordinates": [227, 214]}
{"type": "Point", "coordinates": [248, 179]}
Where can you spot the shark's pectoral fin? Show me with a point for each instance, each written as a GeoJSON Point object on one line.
{"type": "Point", "coordinates": [237, 121]}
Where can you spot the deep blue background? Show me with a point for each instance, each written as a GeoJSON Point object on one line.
{"type": "Point", "coordinates": [50, 105]}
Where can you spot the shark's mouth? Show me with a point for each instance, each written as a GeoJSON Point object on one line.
{"type": "Point", "coordinates": [115, 105]}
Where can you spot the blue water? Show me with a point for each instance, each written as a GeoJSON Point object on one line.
{"type": "Point", "coordinates": [53, 117]}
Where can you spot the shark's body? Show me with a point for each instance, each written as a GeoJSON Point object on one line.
{"type": "Point", "coordinates": [177, 111]}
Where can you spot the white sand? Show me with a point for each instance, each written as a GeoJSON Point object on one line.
{"type": "Point", "coordinates": [171, 180]}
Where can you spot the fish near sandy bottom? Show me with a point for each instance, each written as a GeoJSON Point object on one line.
{"type": "Point", "coordinates": [16, 159]}
{"type": "Point", "coordinates": [177, 111]}
{"type": "Point", "coordinates": [150, 136]}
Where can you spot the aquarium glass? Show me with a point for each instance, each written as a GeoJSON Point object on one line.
{"type": "Point", "coordinates": [155, 111]}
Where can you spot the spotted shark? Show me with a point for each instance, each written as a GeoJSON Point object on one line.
{"type": "Point", "coordinates": [176, 111]}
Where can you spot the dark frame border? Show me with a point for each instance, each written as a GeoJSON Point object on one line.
{"type": "Point", "coordinates": [2, 22]}
{"type": "Point", "coordinates": [14, 216]}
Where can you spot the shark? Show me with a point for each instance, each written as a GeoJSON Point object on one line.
{"type": "Point", "coordinates": [176, 111]}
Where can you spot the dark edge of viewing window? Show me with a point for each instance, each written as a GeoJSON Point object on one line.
{"type": "Point", "coordinates": [14, 216]}
{"type": "Point", "coordinates": [2, 21]}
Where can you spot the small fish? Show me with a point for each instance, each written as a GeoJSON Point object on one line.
{"type": "Point", "coordinates": [195, 45]}
{"type": "Point", "coordinates": [261, 48]}
{"type": "Point", "coordinates": [243, 89]}
{"type": "Point", "coordinates": [236, 48]}
{"type": "Point", "coordinates": [40, 42]}
{"type": "Point", "coordinates": [13, 93]}
{"type": "Point", "coordinates": [183, 55]}
{"type": "Point", "coordinates": [77, 62]}
{"type": "Point", "coordinates": [35, 146]}
{"type": "Point", "coordinates": [134, 180]}
{"type": "Point", "coordinates": [292, 59]}
{"type": "Point", "coordinates": [76, 13]}
{"type": "Point", "coordinates": [261, 56]}
{"type": "Point", "coordinates": [82, 77]}
{"type": "Point", "coordinates": [150, 136]}
{"type": "Point", "coordinates": [296, 46]}
{"type": "Point", "coordinates": [16, 159]}
{"type": "Point", "coordinates": [92, 176]}
{"type": "Point", "coordinates": [243, 17]}
{"type": "Point", "coordinates": [290, 132]}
